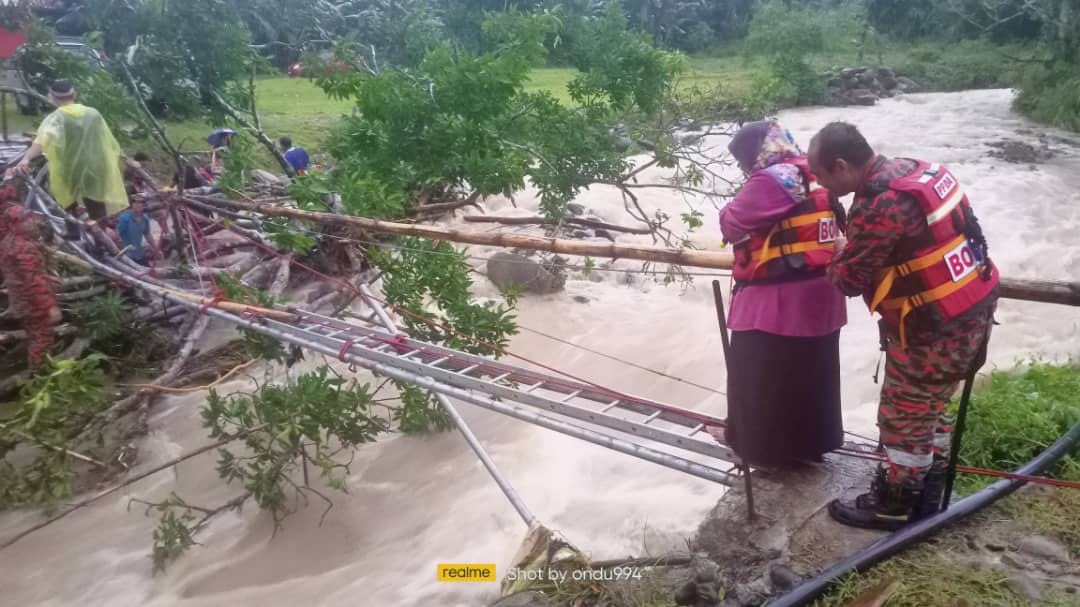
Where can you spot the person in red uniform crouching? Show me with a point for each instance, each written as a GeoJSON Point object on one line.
{"type": "Point", "coordinates": [31, 295]}
{"type": "Point", "coordinates": [916, 254]}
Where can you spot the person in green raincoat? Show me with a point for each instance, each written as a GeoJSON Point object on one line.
{"type": "Point", "coordinates": [84, 157]}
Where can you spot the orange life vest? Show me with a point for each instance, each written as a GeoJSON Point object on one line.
{"type": "Point", "coordinates": [796, 248]}
{"type": "Point", "coordinates": [947, 268]}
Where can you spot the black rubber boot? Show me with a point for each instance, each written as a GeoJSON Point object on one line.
{"type": "Point", "coordinates": [933, 490]}
{"type": "Point", "coordinates": [886, 507]}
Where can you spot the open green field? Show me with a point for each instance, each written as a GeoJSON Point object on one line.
{"type": "Point", "coordinates": [297, 108]}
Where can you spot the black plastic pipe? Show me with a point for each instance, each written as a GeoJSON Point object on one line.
{"type": "Point", "coordinates": [889, 545]}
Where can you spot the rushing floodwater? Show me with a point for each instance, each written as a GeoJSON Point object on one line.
{"type": "Point", "coordinates": [415, 502]}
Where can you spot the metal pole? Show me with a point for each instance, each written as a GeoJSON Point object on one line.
{"type": "Point", "coordinates": [961, 419]}
{"type": "Point", "coordinates": [474, 443]}
{"type": "Point", "coordinates": [721, 317]}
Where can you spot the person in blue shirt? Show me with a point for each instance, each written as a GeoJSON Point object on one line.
{"type": "Point", "coordinates": [297, 157]}
{"type": "Point", "coordinates": [134, 227]}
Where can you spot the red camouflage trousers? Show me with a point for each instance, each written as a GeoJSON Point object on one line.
{"type": "Point", "coordinates": [30, 289]}
{"type": "Point", "coordinates": [919, 382]}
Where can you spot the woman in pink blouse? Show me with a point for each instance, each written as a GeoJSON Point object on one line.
{"type": "Point", "coordinates": [785, 318]}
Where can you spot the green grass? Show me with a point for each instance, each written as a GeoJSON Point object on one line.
{"type": "Point", "coordinates": [1016, 416]}
{"type": "Point", "coordinates": [931, 577]}
{"type": "Point", "coordinates": [287, 106]}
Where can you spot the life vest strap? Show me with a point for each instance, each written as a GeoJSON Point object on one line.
{"type": "Point", "coordinates": [907, 304]}
{"type": "Point", "coordinates": [805, 220]}
{"type": "Point", "coordinates": [765, 255]}
{"type": "Point", "coordinates": [918, 264]}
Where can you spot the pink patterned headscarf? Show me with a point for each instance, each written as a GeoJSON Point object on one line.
{"type": "Point", "coordinates": [761, 144]}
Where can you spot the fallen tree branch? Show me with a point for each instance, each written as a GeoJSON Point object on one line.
{"type": "Point", "coordinates": [195, 329]}
{"type": "Point", "coordinates": [155, 127]}
{"type": "Point", "coordinates": [50, 446]}
{"type": "Point", "coordinates": [215, 383]}
{"type": "Point", "coordinates": [74, 282]}
{"type": "Point", "coordinates": [8, 337]}
{"type": "Point", "coordinates": [536, 220]}
{"type": "Point", "coordinates": [130, 481]}
{"type": "Point", "coordinates": [432, 209]}
{"type": "Point", "coordinates": [281, 279]}
{"type": "Point", "coordinates": [66, 297]}
{"type": "Point", "coordinates": [260, 275]}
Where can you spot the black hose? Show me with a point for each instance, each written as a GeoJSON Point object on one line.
{"type": "Point", "coordinates": [887, 546]}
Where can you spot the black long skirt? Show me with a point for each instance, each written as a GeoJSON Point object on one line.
{"type": "Point", "coordinates": [783, 397]}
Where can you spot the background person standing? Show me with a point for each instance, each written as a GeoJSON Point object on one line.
{"type": "Point", "coordinates": [296, 157]}
{"type": "Point", "coordinates": [84, 158]}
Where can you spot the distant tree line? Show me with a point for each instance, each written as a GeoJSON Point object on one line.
{"type": "Point", "coordinates": [399, 30]}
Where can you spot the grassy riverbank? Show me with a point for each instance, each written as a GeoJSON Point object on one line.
{"type": "Point", "coordinates": [982, 561]}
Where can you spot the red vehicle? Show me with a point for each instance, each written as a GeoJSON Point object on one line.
{"type": "Point", "coordinates": [10, 42]}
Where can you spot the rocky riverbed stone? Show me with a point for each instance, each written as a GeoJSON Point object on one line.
{"type": "Point", "coordinates": [510, 269]}
{"type": "Point", "coordinates": [863, 86]}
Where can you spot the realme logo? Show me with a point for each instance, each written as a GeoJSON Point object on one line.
{"type": "Point", "coordinates": [471, 572]}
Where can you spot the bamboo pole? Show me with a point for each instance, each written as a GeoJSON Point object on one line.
{"type": "Point", "coordinates": [1042, 291]}
{"type": "Point", "coordinates": [684, 257]}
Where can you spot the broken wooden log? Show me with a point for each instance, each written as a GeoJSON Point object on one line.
{"type": "Point", "coordinates": [194, 328]}
{"type": "Point", "coordinates": [281, 279]}
{"type": "Point", "coordinates": [13, 337]}
{"type": "Point", "coordinates": [259, 276]}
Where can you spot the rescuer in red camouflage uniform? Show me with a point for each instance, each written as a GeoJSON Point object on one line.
{"type": "Point", "coordinates": [916, 254]}
{"type": "Point", "coordinates": [22, 262]}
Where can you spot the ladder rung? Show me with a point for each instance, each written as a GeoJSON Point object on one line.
{"type": "Point", "coordinates": [610, 406]}
{"type": "Point", "coordinates": [495, 380]}
{"type": "Point", "coordinates": [569, 396]}
{"type": "Point", "coordinates": [697, 428]}
{"type": "Point", "coordinates": [335, 334]}
{"type": "Point", "coordinates": [651, 418]}
{"type": "Point", "coordinates": [533, 387]}
{"type": "Point", "coordinates": [467, 369]}
{"type": "Point", "coordinates": [436, 363]}
{"type": "Point", "coordinates": [380, 348]}
{"type": "Point", "coordinates": [409, 353]}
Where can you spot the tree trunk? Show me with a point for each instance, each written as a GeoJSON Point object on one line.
{"type": "Point", "coordinates": [1029, 290]}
